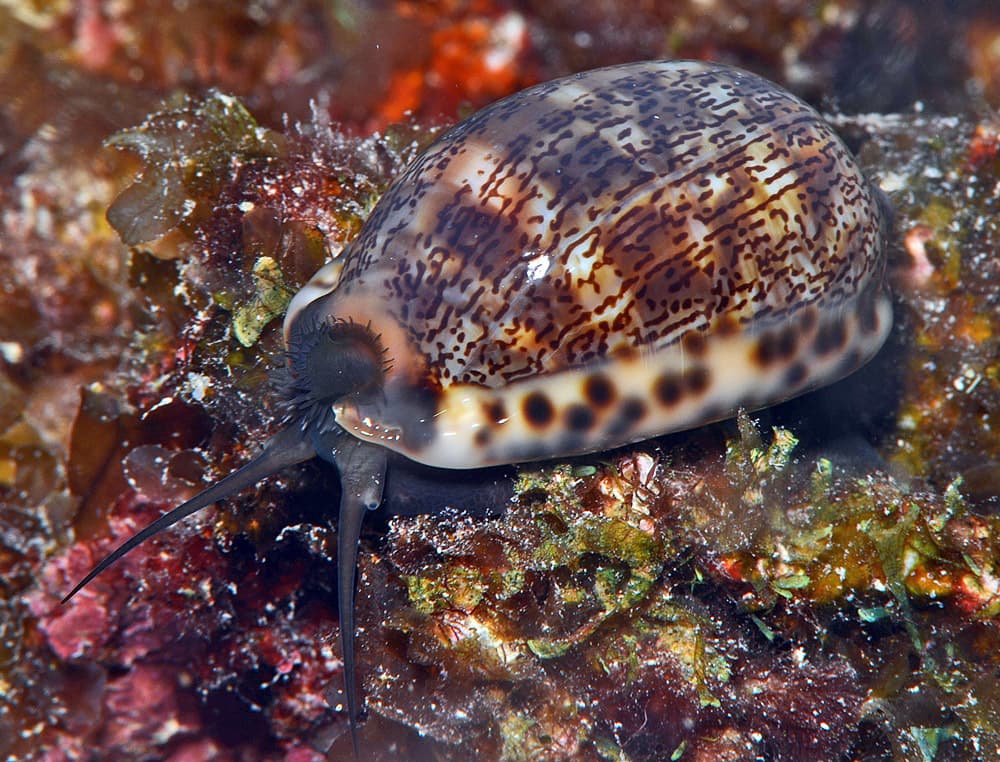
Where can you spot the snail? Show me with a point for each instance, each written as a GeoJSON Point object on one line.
{"type": "Point", "coordinates": [591, 262]}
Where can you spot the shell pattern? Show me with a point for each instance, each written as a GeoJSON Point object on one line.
{"type": "Point", "coordinates": [609, 257]}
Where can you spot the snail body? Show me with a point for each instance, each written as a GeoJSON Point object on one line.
{"type": "Point", "coordinates": [591, 262]}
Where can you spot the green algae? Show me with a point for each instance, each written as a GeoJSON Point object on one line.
{"type": "Point", "coordinates": [446, 587]}
{"type": "Point", "coordinates": [269, 300]}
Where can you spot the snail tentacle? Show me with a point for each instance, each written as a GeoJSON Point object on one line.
{"type": "Point", "coordinates": [286, 448]}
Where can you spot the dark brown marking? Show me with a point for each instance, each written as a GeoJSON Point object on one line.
{"type": "Point", "coordinates": [772, 347]}
{"type": "Point", "coordinates": [579, 418]}
{"type": "Point", "coordinates": [808, 322]}
{"type": "Point", "coordinates": [632, 410]}
{"type": "Point", "coordinates": [787, 343]}
{"type": "Point", "coordinates": [831, 337]}
{"type": "Point", "coordinates": [694, 344]}
{"type": "Point", "coordinates": [869, 314]}
{"type": "Point", "coordinates": [668, 389]}
{"type": "Point", "coordinates": [697, 379]}
{"type": "Point", "coordinates": [483, 437]}
{"type": "Point", "coordinates": [599, 390]}
{"type": "Point", "coordinates": [496, 412]}
{"type": "Point", "coordinates": [766, 351]}
{"type": "Point", "coordinates": [538, 410]}
{"type": "Point", "coordinates": [796, 375]}
{"type": "Point", "coordinates": [726, 325]}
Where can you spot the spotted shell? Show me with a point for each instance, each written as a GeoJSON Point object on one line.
{"type": "Point", "coordinates": [608, 257]}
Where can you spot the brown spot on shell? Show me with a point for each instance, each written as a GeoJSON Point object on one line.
{"type": "Point", "coordinates": [668, 389]}
{"type": "Point", "coordinates": [808, 321]}
{"type": "Point", "coordinates": [697, 380]}
{"type": "Point", "coordinates": [694, 344]}
{"type": "Point", "coordinates": [831, 337]}
{"type": "Point", "coordinates": [633, 409]}
{"type": "Point", "coordinates": [775, 346]}
{"type": "Point", "coordinates": [579, 418]}
{"type": "Point", "coordinates": [631, 412]}
{"type": "Point", "coordinates": [796, 374]}
{"type": "Point", "coordinates": [788, 341]}
{"type": "Point", "coordinates": [868, 310]}
{"type": "Point", "coordinates": [496, 412]}
{"type": "Point", "coordinates": [726, 325]}
{"type": "Point", "coordinates": [599, 390]}
{"type": "Point", "coordinates": [538, 410]}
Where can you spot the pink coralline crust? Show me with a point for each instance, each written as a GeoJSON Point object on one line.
{"type": "Point", "coordinates": [80, 631]}
{"type": "Point", "coordinates": [920, 270]}
{"type": "Point", "coordinates": [113, 606]}
{"type": "Point", "coordinates": [147, 709]}
{"type": "Point", "coordinates": [74, 632]}
{"type": "Point", "coordinates": [198, 751]}
{"type": "Point", "coordinates": [164, 613]}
